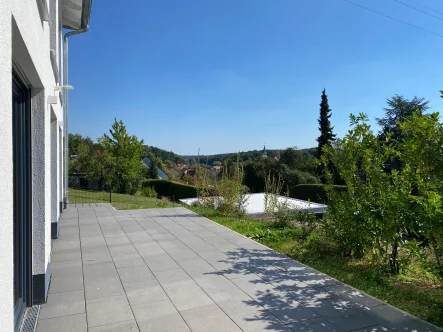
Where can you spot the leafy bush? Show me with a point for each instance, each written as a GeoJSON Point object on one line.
{"type": "Point", "coordinates": [273, 188]}
{"type": "Point", "coordinates": [164, 202]}
{"type": "Point", "coordinates": [172, 189]}
{"type": "Point", "coordinates": [149, 192]}
{"type": "Point", "coordinates": [230, 191]}
{"type": "Point", "coordinates": [316, 245]}
{"type": "Point", "coordinates": [313, 192]}
{"type": "Point", "coordinates": [285, 215]}
{"type": "Point", "coordinates": [382, 204]}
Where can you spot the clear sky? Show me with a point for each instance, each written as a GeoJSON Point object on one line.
{"type": "Point", "coordinates": [230, 75]}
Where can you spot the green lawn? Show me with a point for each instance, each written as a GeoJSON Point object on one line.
{"type": "Point", "coordinates": [413, 291]}
{"type": "Point", "coordinates": [119, 201]}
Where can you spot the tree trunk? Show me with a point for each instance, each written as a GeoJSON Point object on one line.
{"type": "Point", "coordinates": [393, 261]}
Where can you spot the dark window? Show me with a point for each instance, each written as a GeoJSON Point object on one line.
{"type": "Point", "coordinates": [21, 132]}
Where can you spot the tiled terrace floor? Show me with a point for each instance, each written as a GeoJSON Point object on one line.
{"type": "Point", "coordinates": [170, 270]}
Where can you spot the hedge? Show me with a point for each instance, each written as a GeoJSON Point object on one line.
{"type": "Point", "coordinates": [312, 192]}
{"type": "Point", "coordinates": [172, 189]}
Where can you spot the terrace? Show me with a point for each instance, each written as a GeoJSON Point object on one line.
{"type": "Point", "coordinates": [173, 270]}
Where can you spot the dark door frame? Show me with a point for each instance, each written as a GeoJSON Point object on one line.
{"type": "Point", "coordinates": [22, 193]}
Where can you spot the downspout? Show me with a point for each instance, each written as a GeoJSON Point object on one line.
{"type": "Point", "coordinates": [66, 106]}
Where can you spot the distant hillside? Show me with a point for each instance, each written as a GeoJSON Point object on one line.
{"type": "Point", "coordinates": [312, 151]}
{"type": "Point", "coordinates": [244, 156]}
{"type": "Point", "coordinates": [165, 155]}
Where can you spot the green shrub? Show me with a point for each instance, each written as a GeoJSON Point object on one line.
{"type": "Point", "coordinates": [315, 246]}
{"type": "Point", "coordinates": [313, 192]}
{"type": "Point", "coordinates": [171, 189]}
{"type": "Point", "coordinates": [149, 192]}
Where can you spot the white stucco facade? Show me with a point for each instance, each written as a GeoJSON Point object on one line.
{"type": "Point", "coordinates": [30, 44]}
{"type": "Point", "coordinates": [6, 203]}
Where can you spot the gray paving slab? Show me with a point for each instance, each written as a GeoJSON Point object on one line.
{"type": "Point", "coordinates": [189, 297]}
{"type": "Point", "coordinates": [99, 270]}
{"type": "Point", "coordinates": [396, 319]}
{"type": "Point", "coordinates": [144, 292]}
{"type": "Point", "coordinates": [108, 310]}
{"type": "Point", "coordinates": [99, 256]}
{"type": "Point", "coordinates": [260, 322]}
{"type": "Point", "coordinates": [132, 274]}
{"type": "Point", "coordinates": [197, 266]}
{"type": "Point", "coordinates": [128, 260]}
{"type": "Point", "coordinates": [286, 308]}
{"type": "Point", "coordinates": [138, 237]}
{"type": "Point", "coordinates": [183, 255]}
{"type": "Point", "coordinates": [63, 304]}
{"type": "Point", "coordinates": [167, 323]}
{"type": "Point", "coordinates": [170, 270]}
{"type": "Point", "coordinates": [214, 283]}
{"type": "Point", "coordinates": [66, 255]}
{"type": "Point", "coordinates": [127, 326]}
{"type": "Point", "coordinates": [215, 320]}
{"type": "Point", "coordinates": [122, 249]}
{"type": "Point", "coordinates": [72, 323]}
{"type": "Point", "coordinates": [103, 287]}
{"type": "Point", "coordinates": [118, 240]}
{"type": "Point", "coordinates": [151, 311]}
{"type": "Point", "coordinates": [66, 283]}
{"type": "Point", "coordinates": [160, 262]}
{"type": "Point", "coordinates": [66, 245]}
{"type": "Point", "coordinates": [316, 325]}
{"type": "Point", "coordinates": [149, 249]}
{"type": "Point", "coordinates": [173, 278]}
{"type": "Point", "coordinates": [67, 268]}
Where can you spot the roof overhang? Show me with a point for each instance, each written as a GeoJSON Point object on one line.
{"type": "Point", "coordinates": [76, 14]}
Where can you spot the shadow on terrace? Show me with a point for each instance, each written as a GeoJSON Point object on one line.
{"type": "Point", "coordinates": [307, 300]}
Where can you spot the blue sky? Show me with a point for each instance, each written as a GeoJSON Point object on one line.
{"type": "Point", "coordinates": [230, 75]}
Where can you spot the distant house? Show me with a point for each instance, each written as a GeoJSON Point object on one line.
{"type": "Point", "coordinates": [161, 175]}
{"type": "Point", "coordinates": [179, 167]}
{"type": "Point", "coordinates": [189, 171]}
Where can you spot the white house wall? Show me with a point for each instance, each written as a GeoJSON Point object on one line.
{"type": "Point", "coordinates": [6, 203]}
{"type": "Point", "coordinates": [25, 38]}
{"type": "Point", "coordinates": [33, 35]}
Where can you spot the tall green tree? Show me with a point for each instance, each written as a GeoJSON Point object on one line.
{"type": "Point", "coordinates": [298, 159]}
{"type": "Point", "coordinates": [80, 147]}
{"type": "Point", "coordinates": [153, 170]}
{"type": "Point", "coordinates": [75, 140]}
{"type": "Point", "coordinates": [125, 153]}
{"type": "Point", "coordinates": [398, 108]}
{"type": "Point", "coordinates": [324, 125]}
{"type": "Point", "coordinates": [100, 165]}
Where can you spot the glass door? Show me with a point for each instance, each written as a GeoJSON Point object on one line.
{"type": "Point", "coordinates": [21, 132]}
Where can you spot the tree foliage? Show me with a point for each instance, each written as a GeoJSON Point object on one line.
{"type": "Point", "coordinates": [324, 124]}
{"type": "Point", "coordinates": [124, 151]}
{"type": "Point", "coordinates": [298, 159]}
{"type": "Point", "coordinates": [294, 167]}
{"type": "Point", "coordinates": [153, 170]}
{"type": "Point", "coordinates": [398, 109]}
{"type": "Point", "coordinates": [75, 141]}
{"type": "Point", "coordinates": [164, 155]}
{"type": "Point", "coordinates": [242, 156]}
{"type": "Point", "coordinates": [380, 208]}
